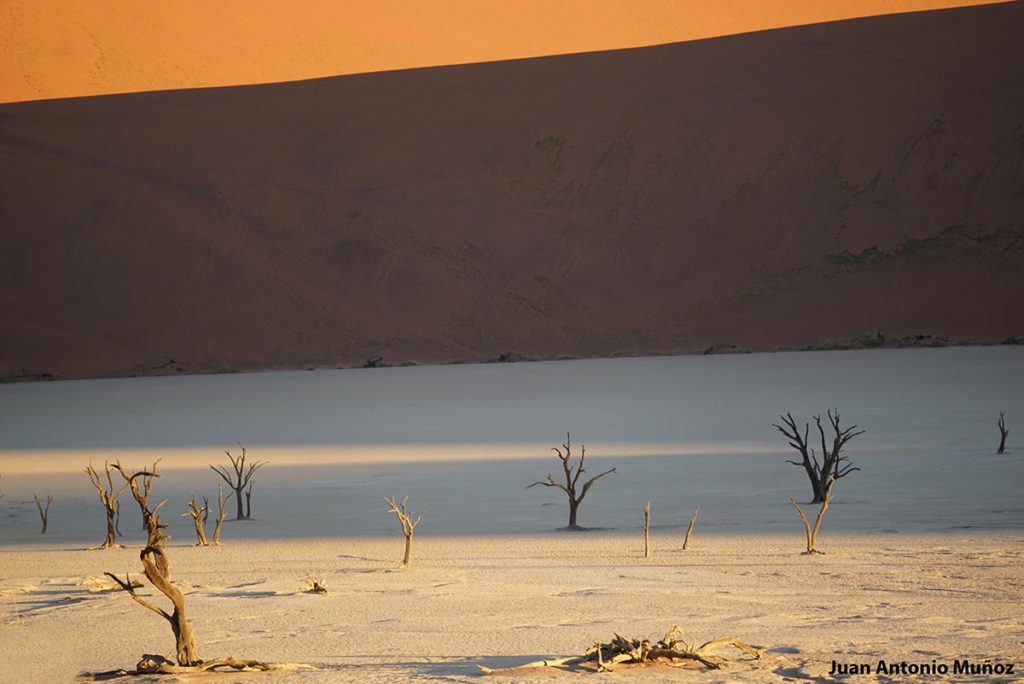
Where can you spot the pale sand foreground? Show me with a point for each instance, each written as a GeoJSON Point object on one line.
{"type": "Point", "coordinates": [503, 600]}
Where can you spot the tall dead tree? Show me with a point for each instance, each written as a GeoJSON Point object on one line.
{"type": "Point", "coordinates": [44, 513]}
{"type": "Point", "coordinates": [404, 516]}
{"type": "Point", "coordinates": [158, 571]}
{"type": "Point", "coordinates": [812, 532]}
{"type": "Point", "coordinates": [572, 471]}
{"type": "Point", "coordinates": [198, 514]}
{"type": "Point", "coordinates": [222, 502]}
{"type": "Point", "coordinates": [1003, 432]}
{"type": "Point", "coordinates": [108, 498]}
{"type": "Point", "coordinates": [239, 479]}
{"type": "Point", "coordinates": [150, 516]}
{"type": "Point", "coordinates": [689, 529]}
{"type": "Point", "coordinates": [834, 464]}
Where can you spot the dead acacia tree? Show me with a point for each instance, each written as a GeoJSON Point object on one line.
{"type": "Point", "coordinates": [239, 479]}
{"type": "Point", "coordinates": [158, 571]}
{"type": "Point", "coordinates": [198, 514]}
{"type": "Point", "coordinates": [1003, 432]}
{"type": "Point", "coordinates": [689, 529]}
{"type": "Point", "coordinates": [150, 516]}
{"type": "Point", "coordinates": [572, 471]}
{"type": "Point", "coordinates": [647, 530]}
{"type": "Point", "coordinates": [108, 498]}
{"type": "Point", "coordinates": [404, 516]}
{"type": "Point", "coordinates": [44, 513]}
{"type": "Point", "coordinates": [812, 532]}
{"type": "Point", "coordinates": [834, 464]}
{"type": "Point", "coordinates": [222, 502]}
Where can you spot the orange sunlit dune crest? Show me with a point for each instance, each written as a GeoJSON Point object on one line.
{"type": "Point", "coordinates": [52, 48]}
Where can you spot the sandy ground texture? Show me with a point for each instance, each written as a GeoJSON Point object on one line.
{"type": "Point", "coordinates": [758, 190]}
{"type": "Point", "coordinates": [923, 545]}
{"type": "Point", "coordinates": [503, 600]}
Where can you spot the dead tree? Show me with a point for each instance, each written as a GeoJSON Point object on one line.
{"type": "Point", "coordinates": [1003, 432]}
{"type": "Point", "coordinates": [647, 530]}
{"type": "Point", "coordinates": [150, 516]}
{"type": "Point", "coordinates": [222, 502]}
{"type": "Point", "coordinates": [198, 515]}
{"type": "Point", "coordinates": [158, 571]}
{"type": "Point", "coordinates": [833, 464]}
{"type": "Point", "coordinates": [404, 516]}
{"type": "Point", "coordinates": [812, 532]}
{"type": "Point", "coordinates": [689, 529]}
{"type": "Point", "coordinates": [44, 513]}
{"type": "Point", "coordinates": [239, 480]}
{"type": "Point", "coordinates": [108, 497]}
{"type": "Point", "coordinates": [572, 471]}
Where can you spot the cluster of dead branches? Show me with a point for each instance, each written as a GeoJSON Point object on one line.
{"type": "Point", "coordinates": [670, 651]}
{"type": "Point", "coordinates": [109, 494]}
{"type": "Point", "coordinates": [404, 515]}
{"type": "Point", "coordinates": [240, 480]}
{"type": "Point", "coordinates": [200, 514]}
{"type": "Point", "coordinates": [150, 516]}
{"type": "Point", "coordinates": [833, 464]}
{"type": "Point", "coordinates": [812, 532]}
{"type": "Point", "coordinates": [572, 471]}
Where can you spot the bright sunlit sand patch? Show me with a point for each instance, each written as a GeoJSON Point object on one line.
{"type": "Point", "coordinates": [60, 461]}
{"type": "Point", "coordinates": [52, 48]}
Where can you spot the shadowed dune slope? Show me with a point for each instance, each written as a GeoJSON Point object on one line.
{"type": "Point", "coordinates": [776, 188]}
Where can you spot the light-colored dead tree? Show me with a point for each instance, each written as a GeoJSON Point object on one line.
{"type": "Point", "coordinates": [812, 532]}
{"type": "Point", "coordinates": [689, 528]}
{"type": "Point", "coordinates": [150, 516]}
{"type": "Point", "coordinates": [157, 569]}
{"type": "Point", "coordinates": [109, 495]}
{"type": "Point", "coordinates": [44, 512]}
{"type": "Point", "coordinates": [404, 515]}
{"type": "Point", "coordinates": [572, 470]}
{"type": "Point", "coordinates": [1003, 432]}
{"type": "Point", "coordinates": [240, 479]}
{"type": "Point", "coordinates": [222, 502]}
{"type": "Point", "coordinates": [198, 515]}
{"type": "Point", "coordinates": [833, 465]}
{"type": "Point", "coordinates": [647, 530]}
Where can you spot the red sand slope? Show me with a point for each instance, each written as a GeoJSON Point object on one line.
{"type": "Point", "coordinates": [62, 48]}
{"type": "Point", "coordinates": [776, 188]}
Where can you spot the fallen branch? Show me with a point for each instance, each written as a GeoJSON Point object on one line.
{"type": "Point", "coordinates": [157, 664]}
{"type": "Point", "coordinates": [621, 651]}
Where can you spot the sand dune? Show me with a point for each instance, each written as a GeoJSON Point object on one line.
{"type": "Point", "coordinates": [777, 188]}
{"type": "Point", "coordinates": [52, 48]}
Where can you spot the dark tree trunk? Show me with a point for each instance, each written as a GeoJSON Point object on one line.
{"type": "Point", "coordinates": [573, 505]}
{"type": "Point", "coordinates": [239, 511]}
{"type": "Point", "coordinates": [111, 539]}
